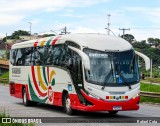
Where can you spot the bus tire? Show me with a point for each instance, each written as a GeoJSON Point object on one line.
{"type": "Point", "coordinates": [67, 105]}
{"type": "Point", "coordinates": [112, 112]}
{"type": "Point", "coordinates": [26, 102]}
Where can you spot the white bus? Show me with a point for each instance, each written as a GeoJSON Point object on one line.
{"type": "Point", "coordinates": [87, 72]}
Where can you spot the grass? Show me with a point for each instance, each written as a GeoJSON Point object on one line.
{"type": "Point", "coordinates": [4, 76]}
{"type": "Point", "coordinates": [3, 115]}
{"type": "Point", "coordinates": [150, 88]}
{"type": "Point", "coordinates": [150, 100]}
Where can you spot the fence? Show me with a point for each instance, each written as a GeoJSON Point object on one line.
{"type": "Point", "coordinates": [4, 80]}
{"type": "Point", "coordinates": [150, 94]}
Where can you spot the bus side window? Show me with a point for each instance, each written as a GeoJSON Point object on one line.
{"type": "Point", "coordinates": [48, 55]}
{"type": "Point", "coordinates": [58, 55]}
{"type": "Point", "coordinates": [38, 55]}
{"type": "Point", "coordinates": [13, 56]}
{"type": "Point", "coordinates": [19, 57]}
{"type": "Point", "coordinates": [27, 56]}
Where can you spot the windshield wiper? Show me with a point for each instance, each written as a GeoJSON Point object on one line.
{"type": "Point", "coordinates": [107, 77]}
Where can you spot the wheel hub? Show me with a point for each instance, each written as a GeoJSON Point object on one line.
{"type": "Point", "coordinates": [24, 97]}
{"type": "Point", "coordinates": [68, 104]}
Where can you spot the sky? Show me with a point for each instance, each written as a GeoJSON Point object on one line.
{"type": "Point", "coordinates": [141, 16]}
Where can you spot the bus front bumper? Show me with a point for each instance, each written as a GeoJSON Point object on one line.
{"type": "Point", "coordinates": [101, 105]}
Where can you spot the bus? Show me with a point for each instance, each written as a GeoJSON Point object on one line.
{"type": "Point", "coordinates": [86, 72]}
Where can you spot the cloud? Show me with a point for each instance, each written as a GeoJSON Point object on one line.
{"type": "Point", "coordinates": [71, 15]}
{"type": "Point", "coordinates": [82, 29]}
{"type": "Point", "coordinates": [149, 13]}
{"type": "Point", "coordinates": [7, 19]}
{"type": "Point", "coordinates": [22, 8]}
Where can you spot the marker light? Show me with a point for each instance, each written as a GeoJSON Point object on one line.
{"type": "Point", "coordinates": [107, 97]}
{"type": "Point", "coordinates": [126, 97]}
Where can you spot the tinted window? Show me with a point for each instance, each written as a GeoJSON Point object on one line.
{"type": "Point", "coordinates": [19, 57]}
{"type": "Point", "coordinates": [75, 66]}
{"type": "Point", "coordinates": [27, 58]}
{"type": "Point", "coordinates": [56, 55]}
{"type": "Point", "coordinates": [40, 55]}
{"type": "Point", "coordinates": [13, 54]}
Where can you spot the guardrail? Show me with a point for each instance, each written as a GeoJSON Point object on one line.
{"type": "Point", "coordinates": [150, 94]}
{"type": "Point", "coordinates": [4, 80]}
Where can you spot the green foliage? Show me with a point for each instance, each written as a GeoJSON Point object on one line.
{"type": "Point", "coordinates": [16, 34]}
{"type": "Point", "coordinates": [128, 37]}
{"type": "Point", "coordinates": [5, 75]}
{"type": "Point", "coordinates": [48, 35]}
{"type": "Point", "coordinates": [154, 41]}
{"type": "Point", "coordinates": [141, 45]}
{"type": "Point", "coordinates": [20, 32]}
{"type": "Point", "coordinates": [150, 87]}
{"type": "Point", "coordinates": [148, 99]}
{"type": "Point", "coordinates": [153, 53]}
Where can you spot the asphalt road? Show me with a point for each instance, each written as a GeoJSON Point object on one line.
{"type": "Point", "coordinates": [14, 107]}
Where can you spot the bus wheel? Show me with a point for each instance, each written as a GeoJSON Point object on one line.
{"type": "Point", "coordinates": [112, 112]}
{"type": "Point", "coordinates": [26, 102]}
{"type": "Point", "coordinates": [67, 105]}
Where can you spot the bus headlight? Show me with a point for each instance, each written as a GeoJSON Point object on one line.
{"type": "Point", "coordinates": [138, 94]}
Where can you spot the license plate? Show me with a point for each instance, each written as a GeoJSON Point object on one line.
{"type": "Point", "coordinates": [117, 107]}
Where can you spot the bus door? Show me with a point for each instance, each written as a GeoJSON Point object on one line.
{"type": "Point", "coordinates": [75, 68]}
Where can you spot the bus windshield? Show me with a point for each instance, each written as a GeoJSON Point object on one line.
{"type": "Point", "coordinates": [112, 68]}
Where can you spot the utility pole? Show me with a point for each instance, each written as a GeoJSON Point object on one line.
{"type": "Point", "coordinates": [64, 30]}
{"type": "Point", "coordinates": [123, 29]}
{"type": "Point", "coordinates": [6, 37]}
{"type": "Point", "coordinates": [30, 24]}
{"type": "Point", "coordinates": [6, 47]}
{"type": "Point", "coordinates": [151, 69]}
{"type": "Point", "coordinates": [108, 27]}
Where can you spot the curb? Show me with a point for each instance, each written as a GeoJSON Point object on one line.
{"type": "Point", "coordinates": [150, 103]}
{"type": "Point", "coordinates": [4, 84]}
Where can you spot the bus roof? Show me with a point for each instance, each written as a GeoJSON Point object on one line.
{"type": "Point", "coordinates": [93, 41]}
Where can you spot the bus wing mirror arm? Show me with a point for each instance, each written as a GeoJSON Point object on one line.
{"type": "Point", "coordinates": [85, 58]}
{"type": "Point", "coordinates": [146, 59]}
{"type": "Point", "coordinates": [86, 61]}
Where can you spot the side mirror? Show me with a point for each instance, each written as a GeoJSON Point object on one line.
{"type": "Point", "coordinates": [146, 59]}
{"type": "Point", "coordinates": [85, 58]}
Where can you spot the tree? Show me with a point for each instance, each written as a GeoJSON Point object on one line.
{"type": "Point", "coordinates": [48, 35]}
{"type": "Point", "coordinates": [141, 45]}
{"type": "Point", "coordinates": [16, 34]}
{"type": "Point", "coordinates": [20, 32]}
{"type": "Point", "coordinates": [153, 53]}
{"type": "Point", "coordinates": [128, 37]}
{"type": "Point", "coordinates": [154, 41]}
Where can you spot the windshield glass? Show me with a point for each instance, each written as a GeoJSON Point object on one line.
{"type": "Point", "coordinates": [112, 68]}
